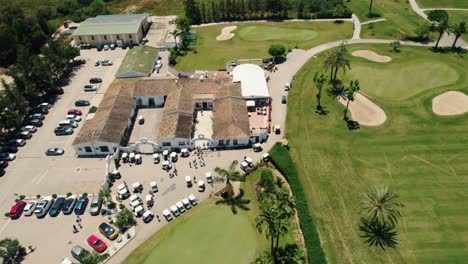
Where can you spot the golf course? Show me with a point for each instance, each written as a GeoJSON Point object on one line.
{"type": "Point", "coordinates": [211, 233]}
{"type": "Point", "coordinates": [252, 40]}
{"type": "Point", "coordinates": [419, 155]}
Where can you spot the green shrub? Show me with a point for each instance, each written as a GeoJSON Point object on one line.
{"type": "Point", "coordinates": [69, 194]}
{"type": "Point", "coordinates": [266, 181]}
{"type": "Point", "coordinates": [38, 196]}
{"type": "Point", "coordinates": [54, 195]}
{"type": "Point", "coordinates": [282, 160]}
{"type": "Point", "coordinates": [93, 109]}
{"type": "Point", "coordinates": [85, 194]}
{"type": "Point", "coordinates": [22, 197]}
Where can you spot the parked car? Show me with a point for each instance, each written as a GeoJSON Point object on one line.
{"type": "Point", "coordinates": [17, 209]}
{"type": "Point", "coordinates": [95, 80]}
{"type": "Point", "coordinates": [81, 204]}
{"type": "Point", "coordinates": [45, 105]}
{"type": "Point", "coordinates": [61, 130]}
{"type": "Point", "coordinates": [74, 112]}
{"type": "Point", "coordinates": [68, 123]}
{"type": "Point", "coordinates": [10, 149]}
{"type": "Point", "coordinates": [81, 254]}
{"type": "Point", "coordinates": [108, 231]}
{"type": "Point", "coordinates": [35, 122]}
{"type": "Point", "coordinates": [76, 118]}
{"type": "Point", "coordinates": [25, 135]}
{"type": "Point", "coordinates": [7, 156]}
{"type": "Point", "coordinates": [29, 208]}
{"type": "Point", "coordinates": [95, 205]}
{"type": "Point", "coordinates": [106, 63]}
{"type": "Point", "coordinates": [96, 243]}
{"type": "Point", "coordinates": [89, 88]}
{"type": "Point", "coordinates": [167, 215]}
{"type": "Point", "coordinates": [37, 116]}
{"type": "Point", "coordinates": [3, 164]}
{"type": "Point", "coordinates": [69, 205]}
{"type": "Point", "coordinates": [31, 129]}
{"type": "Point", "coordinates": [17, 142]}
{"type": "Point", "coordinates": [106, 47]}
{"type": "Point", "coordinates": [284, 99]}
{"type": "Point", "coordinates": [57, 206]}
{"type": "Point", "coordinates": [82, 103]}
{"type": "Point", "coordinates": [112, 46]}
{"type": "Point", "coordinates": [43, 207]}
{"type": "Point", "coordinates": [54, 152]}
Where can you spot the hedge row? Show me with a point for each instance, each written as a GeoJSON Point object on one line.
{"type": "Point", "coordinates": [284, 163]}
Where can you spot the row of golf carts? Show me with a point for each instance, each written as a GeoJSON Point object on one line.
{"type": "Point", "coordinates": [180, 207]}
{"type": "Point", "coordinates": [248, 162]}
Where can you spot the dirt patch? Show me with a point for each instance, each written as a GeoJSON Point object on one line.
{"type": "Point", "coordinates": [450, 103]}
{"type": "Point", "coordinates": [370, 55]}
{"type": "Point", "coordinates": [226, 33]}
{"type": "Point", "coordinates": [364, 111]}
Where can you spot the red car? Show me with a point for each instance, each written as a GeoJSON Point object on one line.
{"type": "Point", "coordinates": [17, 209]}
{"type": "Point", "coordinates": [74, 112]}
{"type": "Point", "coordinates": [96, 243]}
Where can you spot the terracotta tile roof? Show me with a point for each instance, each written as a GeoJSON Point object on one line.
{"type": "Point", "coordinates": [177, 125]}
{"type": "Point", "coordinates": [230, 118]}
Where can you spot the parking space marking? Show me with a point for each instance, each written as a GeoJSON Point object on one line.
{"type": "Point", "coordinates": [41, 177]}
{"type": "Point", "coordinates": [5, 225]}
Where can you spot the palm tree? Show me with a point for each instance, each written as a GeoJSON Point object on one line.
{"type": "Point", "coordinates": [337, 89]}
{"type": "Point", "coordinates": [319, 81]}
{"type": "Point", "coordinates": [105, 196]}
{"type": "Point", "coordinates": [458, 30]}
{"type": "Point", "coordinates": [330, 62]}
{"type": "Point", "coordinates": [175, 33]}
{"type": "Point", "coordinates": [266, 221]}
{"type": "Point", "coordinates": [441, 27]}
{"type": "Point", "coordinates": [350, 94]}
{"type": "Point", "coordinates": [228, 176]}
{"type": "Point", "coordinates": [282, 227]}
{"type": "Point", "coordinates": [235, 202]}
{"type": "Point", "coordinates": [285, 202]}
{"type": "Point", "coordinates": [380, 205]}
{"type": "Point", "coordinates": [342, 60]}
{"type": "Point", "coordinates": [378, 233]}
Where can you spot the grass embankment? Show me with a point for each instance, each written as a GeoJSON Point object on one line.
{"type": "Point", "coordinates": [442, 3]}
{"type": "Point", "coordinates": [420, 155]}
{"type": "Point", "coordinates": [210, 233]}
{"type": "Point", "coordinates": [399, 16]}
{"type": "Point", "coordinates": [158, 8]}
{"type": "Point", "coordinates": [282, 160]}
{"type": "Point", "coordinates": [252, 41]}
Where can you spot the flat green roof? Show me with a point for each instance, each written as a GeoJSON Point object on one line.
{"type": "Point", "coordinates": [110, 24]}
{"type": "Point", "coordinates": [139, 59]}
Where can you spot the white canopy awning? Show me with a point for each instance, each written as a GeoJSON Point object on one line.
{"type": "Point", "coordinates": [252, 79]}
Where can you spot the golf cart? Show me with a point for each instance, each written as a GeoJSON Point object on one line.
{"type": "Point", "coordinates": [149, 201]}
{"type": "Point", "coordinates": [147, 217]}
{"type": "Point", "coordinates": [192, 199]}
{"type": "Point", "coordinates": [201, 186]}
{"type": "Point", "coordinates": [167, 215]}
{"type": "Point", "coordinates": [134, 204]}
{"type": "Point", "coordinates": [165, 153]}
{"type": "Point", "coordinates": [132, 157]}
{"type": "Point", "coordinates": [154, 187]}
{"type": "Point", "coordinates": [180, 207]}
{"type": "Point", "coordinates": [287, 86]}
{"type": "Point", "coordinates": [125, 157]}
{"type": "Point", "coordinates": [116, 174]}
{"type": "Point", "coordinates": [184, 153]}
{"type": "Point", "coordinates": [175, 211]}
{"type": "Point", "coordinates": [141, 120]}
{"type": "Point", "coordinates": [139, 211]}
{"type": "Point", "coordinates": [137, 187]}
{"type": "Point", "coordinates": [138, 159]}
{"type": "Point", "coordinates": [186, 203]}
{"type": "Point", "coordinates": [188, 180]}
{"type": "Point", "coordinates": [249, 161]}
{"type": "Point", "coordinates": [277, 129]}
{"type": "Point", "coordinates": [209, 177]}
{"type": "Point", "coordinates": [257, 147]}
{"type": "Point", "coordinates": [123, 191]}
{"type": "Point", "coordinates": [173, 157]}
{"type": "Point", "coordinates": [244, 166]}
{"type": "Point", "coordinates": [166, 165]}
{"type": "Point", "coordinates": [266, 157]}
{"type": "Point", "coordinates": [156, 158]}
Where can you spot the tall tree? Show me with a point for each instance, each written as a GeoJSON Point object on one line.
{"type": "Point", "coordinates": [319, 81]}
{"type": "Point", "coordinates": [10, 250]}
{"type": "Point", "coordinates": [458, 29]}
{"type": "Point", "coordinates": [192, 12]}
{"type": "Point", "coordinates": [441, 27]}
{"type": "Point", "coordinates": [266, 221]}
{"type": "Point", "coordinates": [330, 62]}
{"type": "Point", "coordinates": [351, 91]}
{"type": "Point", "coordinates": [204, 14]}
{"type": "Point", "coordinates": [235, 201]}
{"type": "Point", "coordinates": [228, 175]}
{"type": "Point", "coordinates": [380, 204]}
{"type": "Point", "coordinates": [342, 60]}
{"type": "Point", "coordinates": [437, 16]}
{"type": "Point", "coordinates": [378, 233]}
{"type": "Point", "coordinates": [370, 8]}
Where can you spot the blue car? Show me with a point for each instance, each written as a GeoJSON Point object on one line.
{"type": "Point", "coordinates": [81, 205]}
{"type": "Point", "coordinates": [57, 207]}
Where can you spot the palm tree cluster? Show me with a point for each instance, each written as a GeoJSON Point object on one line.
{"type": "Point", "coordinates": [228, 176]}
{"type": "Point", "coordinates": [337, 59]}
{"type": "Point", "coordinates": [441, 25]}
{"type": "Point", "coordinates": [277, 206]}
{"type": "Point", "coordinates": [381, 212]}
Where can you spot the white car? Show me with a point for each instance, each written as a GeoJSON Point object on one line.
{"type": "Point", "coordinates": [106, 63]}
{"type": "Point", "coordinates": [180, 206]}
{"type": "Point", "coordinates": [74, 118]}
{"type": "Point", "coordinates": [29, 208]}
{"type": "Point", "coordinates": [7, 156]}
{"type": "Point", "coordinates": [167, 215]}
{"type": "Point", "coordinates": [31, 129]}
{"type": "Point", "coordinates": [112, 46]}
{"type": "Point", "coordinates": [89, 88]}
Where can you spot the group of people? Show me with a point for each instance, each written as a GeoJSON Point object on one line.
{"type": "Point", "coordinates": [78, 222]}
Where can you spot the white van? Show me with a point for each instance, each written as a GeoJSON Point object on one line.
{"type": "Point", "coordinates": [68, 122]}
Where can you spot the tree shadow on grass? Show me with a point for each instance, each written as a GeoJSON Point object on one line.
{"type": "Point", "coordinates": [321, 110]}
{"type": "Point", "coordinates": [352, 125]}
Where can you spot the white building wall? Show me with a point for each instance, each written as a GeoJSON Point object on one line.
{"type": "Point", "coordinates": [94, 148]}
{"type": "Point", "coordinates": [174, 144]}
{"type": "Point", "coordinates": [229, 142]}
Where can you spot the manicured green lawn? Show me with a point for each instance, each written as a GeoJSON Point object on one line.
{"type": "Point", "coordinates": [400, 18]}
{"type": "Point", "coordinates": [420, 155]}
{"type": "Point", "coordinates": [442, 3]}
{"type": "Point", "coordinates": [252, 41]}
{"type": "Point", "coordinates": [209, 233]}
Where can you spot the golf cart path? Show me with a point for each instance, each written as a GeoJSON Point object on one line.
{"type": "Point", "coordinates": [373, 21]}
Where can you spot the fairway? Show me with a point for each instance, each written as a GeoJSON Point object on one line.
{"type": "Point", "coordinates": [252, 40]}
{"type": "Point", "coordinates": [263, 33]}
{"type": "Point", "coordinates": [420, 155]}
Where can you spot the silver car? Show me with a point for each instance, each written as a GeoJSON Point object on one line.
{"type": "Point", "coordinates": [30, 208]}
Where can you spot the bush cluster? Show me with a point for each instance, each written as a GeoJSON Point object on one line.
{"type": "Point", "coordinates": [281, 158]}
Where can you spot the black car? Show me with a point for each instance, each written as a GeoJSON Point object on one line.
{"type": "Point", "coordinates": [82, 103]}
{"type": "Point", "coordinates": [95, 80]}
{"type": "Point", "coordinates": [57, 206]}
{"type": "Point", "coordinates": [62, 130]}
{"type": "Point", "coordinates": [58, 91]}
{"type": "Point", "coordinates": [10, 149]}
{"type": "Point", "coordinates": [69, 205]}
{"type": "Point", "coordinates": [81, 204]}
{"type": "Point", "coordinates": [35, 122]}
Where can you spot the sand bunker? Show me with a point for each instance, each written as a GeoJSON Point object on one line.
{"type": "Point", "coordinates": [365, 111]}
{"type": "Point", "coordinates": [226, 33]}
{"type": "Point", "coordinates": [450, 103]}
{"type": "Point", "coordinates": [370, 55]}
